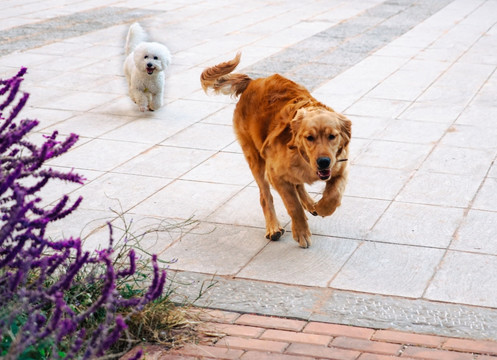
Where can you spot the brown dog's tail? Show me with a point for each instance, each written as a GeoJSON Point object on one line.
{"type": "Point", "coordinates": [219, 79]}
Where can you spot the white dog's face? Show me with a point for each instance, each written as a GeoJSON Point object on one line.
{"type": "Point", "coordinates": [151, 58]}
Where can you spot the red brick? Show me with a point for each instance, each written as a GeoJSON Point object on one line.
{"type": "Point", "coordinates": [233, 342]}
{"type": "Point", "coordinates": [399, 337]}
{"type": "Point", "coordinates": [271, 322]}
{"type": "Point", "coordinates": [366, 345]}
{"type": "Point", "coordinates": [298, 337]}
{"type": "Point", "coordinates": [166, 356]}
{"type": "Point", "coordinates": [230, 329]}
{"type": "Point", "coordinates": [476, 346]}
{"type": "Point", "coordinates": [208, 351]}
{"type": "Point", "coordinates": [257, 355]}
{"type": "Point", "coordinates": [338, 330]}
{"type": "Point", "coordinates": [435, 354]}
{"type": "Point", "coordinates": [322, 352]}
{"type": "Point", "coordinates": [369, 356]}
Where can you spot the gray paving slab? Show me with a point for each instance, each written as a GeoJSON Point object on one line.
{"type": "Point", "coordinates": [336, 306]}
{"type": "Point", "coordinates": [411, 247]}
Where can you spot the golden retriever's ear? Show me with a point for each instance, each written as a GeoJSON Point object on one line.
{"type": "Point", "coordinates": [345, 129]}
{"type": "Point", "coordinates": [273, 134]}
{"type": "Point", "coordinates": [295, 126]}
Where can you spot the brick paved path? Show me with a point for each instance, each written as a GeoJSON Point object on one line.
{"type": "Point", "coordinates": [255, 337]}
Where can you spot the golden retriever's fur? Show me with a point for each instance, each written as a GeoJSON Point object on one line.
{"type": "Point", "coordinates": [288, 138]}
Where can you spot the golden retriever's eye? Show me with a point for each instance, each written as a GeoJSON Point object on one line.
{"type": "Point", "coordinates": [310, 138]}
{"type": "Point", "coordinates": [331, 137]}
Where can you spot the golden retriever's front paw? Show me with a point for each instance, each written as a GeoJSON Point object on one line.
{"type": "Point", "coordinates": [303, 238]}
{"type": "Point", "coordinates": [326, 208]}
{"type": "Point", "coordinates": [275, 235]}
{"type": "Point", "coordinates": [304, 241]}
{"type": "Point", "coordinates": [311, 208]}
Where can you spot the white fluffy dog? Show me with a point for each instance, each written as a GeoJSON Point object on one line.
{"type": "Point", "coordinates": [144, 68]}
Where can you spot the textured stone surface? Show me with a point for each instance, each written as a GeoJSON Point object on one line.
{"type": "Point", "coordinates": [248, 296]}
{"type": "Point", "coordinates": [340, 307]}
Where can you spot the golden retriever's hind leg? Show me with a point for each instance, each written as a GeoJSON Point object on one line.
{"type": "Point", "coordinates": [273, 229]}
{"type": "Point", "coordinates": [257, 165]}
{"type": "Point", "coordinates": [307, 202]}
{"type": "Point", "coordinates": [290, 197]}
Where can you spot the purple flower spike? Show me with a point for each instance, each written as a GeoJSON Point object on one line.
{"type": "Point", "coordinates": [44, 282]}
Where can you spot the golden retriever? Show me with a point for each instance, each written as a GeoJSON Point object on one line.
{"type": "Point", "coordinates": [288, 139]}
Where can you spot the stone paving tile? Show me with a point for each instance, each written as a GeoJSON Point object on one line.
{"type": "Point", "coordinates": [416, 132]}
{"type": "Point", "coordinates": [117, 153]}
{"type": "Point", "coordinates": [117, 192]}
{"type": "Point", "coordinates": [458, 160]}
{"type": "Point", "coordinates": [476, 233]}
{"type": "Point", "coordinates": [90, 225]}
{"type": "Point", "coordinates": [433, 111]}
{"type": "Point", "coordinates": [395, 269]}
{"type": "Point", "coordinates": [418, 73]}
{"type": "Point", "coordinates": [394, 155]}
{"type": "Point", "coordinates": [164, 161]}
{"type": "Point", "coordinates": [475, 137]}
{"type": "Point", "coordinates": [216, 250]}
{"type": "Point", "coordinates": [417, 224]}
{"type": "Point", "coordinates": [87, 125]}
{"type": "Point", "coordinates": [169, 201]}
{"type": "Point", "coordinates": [384, 108]}
{"type": "Point", "coordinates": [250, 213]}
{"type": "Point", "coordinates": [203, 135]}
{"type": "Point", "coordinates": [441, 189]}
{"type": "Point", "coordinates": [475, 274]}
{"type": "Point", "coordinates": [485, 200]}
{"type": "Point", "coordinates": [324, 260]}
{"type": "Point", "coordinates": [222, 168]}
{"type": "Point", "coordinates": [353, 219]}
{"type": "Point", "coordinates": [376, 182]}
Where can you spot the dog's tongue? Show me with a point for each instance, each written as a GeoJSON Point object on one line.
{"type": "Point", "coordinates": [150, 71]}
{"type": "Point", "coordinates": [324, 174]}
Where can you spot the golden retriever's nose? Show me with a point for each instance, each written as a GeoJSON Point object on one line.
{"type": "Point", "coordinates": [323, 162]}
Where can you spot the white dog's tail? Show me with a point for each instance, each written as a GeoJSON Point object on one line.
{"type": "Point", "coordinates": [136, 35]}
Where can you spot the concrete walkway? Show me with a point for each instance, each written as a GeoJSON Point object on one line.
{"type": "Point", "coordinates": [413, 246]}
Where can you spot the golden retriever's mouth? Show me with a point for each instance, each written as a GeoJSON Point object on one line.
{"type": "Point", "coordinates": [324, 174]}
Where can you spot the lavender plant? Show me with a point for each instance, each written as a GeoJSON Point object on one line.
{"type": "Point", "coordinates": [44, 313]}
